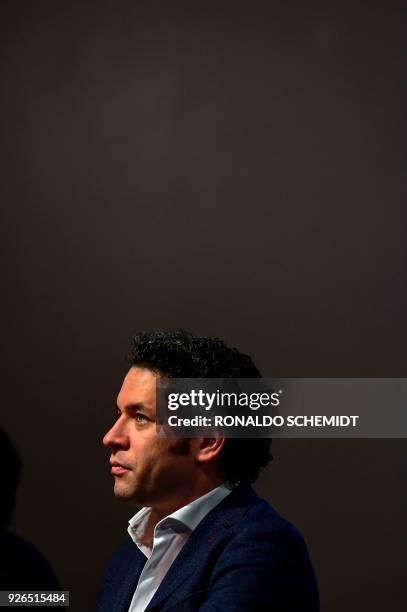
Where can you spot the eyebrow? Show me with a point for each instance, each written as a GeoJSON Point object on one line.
{"type": "Point", "coordinates": [134, 407]}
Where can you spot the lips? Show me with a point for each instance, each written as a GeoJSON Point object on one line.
{"type": "Point", "coordinates": [118, 468]}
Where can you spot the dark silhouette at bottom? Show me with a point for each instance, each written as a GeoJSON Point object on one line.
{"type": "Point", "coordinates": [22, 566]}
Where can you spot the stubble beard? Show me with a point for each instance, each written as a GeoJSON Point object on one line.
{"type": "Point", "coordinates": [124, 491]}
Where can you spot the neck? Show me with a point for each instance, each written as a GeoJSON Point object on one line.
{"type": "Point", "coordinates": [158, 512]}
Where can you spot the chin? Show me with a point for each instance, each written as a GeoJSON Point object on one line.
{"type": "Point", "coordinates": [125, 493]}
{"type": "Point", "coordinates": [122, 493]}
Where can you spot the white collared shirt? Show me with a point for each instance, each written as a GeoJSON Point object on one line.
{"type": "Point", "coordinates": [170, 535]}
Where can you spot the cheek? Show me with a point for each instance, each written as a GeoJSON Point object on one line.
{"type": "Point", "coordinates": [148, 457]}
{"type": "Point", "coordinates": [180, 446]}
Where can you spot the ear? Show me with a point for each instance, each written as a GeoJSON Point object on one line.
{"type": "Point", "coordinates": [209, 448]}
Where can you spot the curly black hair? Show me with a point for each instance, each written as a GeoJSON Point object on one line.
{"type": "Point", "coordinates": [179, 354]}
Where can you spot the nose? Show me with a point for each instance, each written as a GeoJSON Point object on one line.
{"type": "Point", "coordinates": [116, 437]}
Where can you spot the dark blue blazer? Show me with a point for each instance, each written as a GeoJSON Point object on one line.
{"type": "Point", "coordinates": [242, 557]}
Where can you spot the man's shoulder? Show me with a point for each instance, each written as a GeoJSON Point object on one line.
{"type": "Point", "coordinates": [261, 561]}
{"type": "Point", "coordinates": [244, 510]}
{"type": "Point", "coordinates": [252, 521]}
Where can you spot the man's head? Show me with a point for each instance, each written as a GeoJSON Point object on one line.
{"type": "Point", "coordinates": [160, 470]}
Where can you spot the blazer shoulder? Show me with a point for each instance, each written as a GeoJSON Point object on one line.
{"type": "Point", "coordinates": [264, 559]}
{"type": "Point", "coordinates": [263, 516]}
{"type": "Point", "coordinates": [250, 511]}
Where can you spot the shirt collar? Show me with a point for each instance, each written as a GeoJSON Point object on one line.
{"type": "Point", "coordinates": [186, 518]}
{"type": "Point", "coordinates": [193, 513]}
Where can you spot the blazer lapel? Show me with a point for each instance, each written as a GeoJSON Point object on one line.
{"type": "Point", "coordinates": [129, 583]}
{"type": "Point", "coordinates": [212, 528]}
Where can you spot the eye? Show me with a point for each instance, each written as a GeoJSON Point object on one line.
{"type": "Point", "coordinates": [140, 418]}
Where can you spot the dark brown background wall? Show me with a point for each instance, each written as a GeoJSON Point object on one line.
{"type": "Point", "coordinates": [232, 168]}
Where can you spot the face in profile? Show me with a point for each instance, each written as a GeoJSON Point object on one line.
{"type": "Point", "coordinates": [147, 469]}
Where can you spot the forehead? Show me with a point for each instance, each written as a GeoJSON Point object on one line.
{"type": "Point", "coordinates": [139, 386]}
